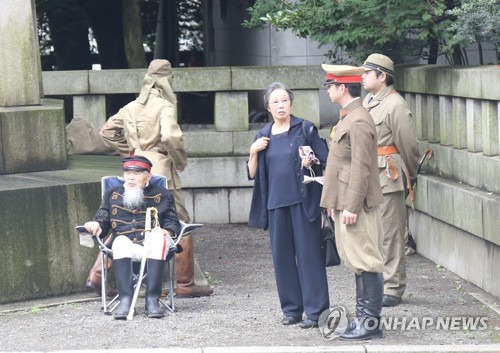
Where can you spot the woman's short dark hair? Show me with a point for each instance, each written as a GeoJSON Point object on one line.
{"type": "Point", "coordinates": [272, 87]}
{"type": "Point", "coordinates": [389, 80]}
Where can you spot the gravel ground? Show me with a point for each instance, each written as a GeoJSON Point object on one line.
{"type": "Point", "coordinates": [244, 309]}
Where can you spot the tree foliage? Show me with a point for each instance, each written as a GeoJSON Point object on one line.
{"type": "Point", "coordinates": [397, 28]}
{"type": "Point", "coordinates": [476, 21]}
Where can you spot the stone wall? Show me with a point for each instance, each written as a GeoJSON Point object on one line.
{"type": "Point", "coordinates": [457, 218]}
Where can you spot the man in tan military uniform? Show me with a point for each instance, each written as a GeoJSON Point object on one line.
{"type": "Point", "coordinates": [397, 159]}
{"type": "Point", "coordinates": [352, 195]}
{"type": "Point", "coordinates": [148, 126]}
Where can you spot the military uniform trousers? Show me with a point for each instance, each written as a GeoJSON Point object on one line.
{"type": "Point", "coordinates": [393, 248]}
{"type": "Point", "coordinates": [298, 262]}
{"type": "Point", "coordinates": [360, 244]}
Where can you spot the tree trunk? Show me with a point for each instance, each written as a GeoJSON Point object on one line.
{"type": "Point", "coordinates": [167, 32]}
{"type": "Point", "coordinates": [433, 51]}
{"type": "Point", "coordinates": [106, 22]}
{"type": "Point", "coordinates": [480, 51]}
{"type": "Point", "coordinates": [132, 34]}
{"type": "Point", "coordinates": [69, 30]}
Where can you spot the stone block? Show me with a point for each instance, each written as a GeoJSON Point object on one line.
{"type": "Point", "coordinates": [242, 140]}
{"type": "Point", "coordinates": [490, 126]}
{"type": "Point", "coordinates": [189, 203]}
{"type": "Point", "coordinates": [66, 82]}
{"type": "Point", "coordinates": [33, 138]}
{"type": "Point", "coordinates": [32, 265]}
{"type": "Point", "coordinates": [205, 143]}
{"type": "Point", "coordinates": [202, 79]}
{"type": "Point", "coordinates": [211, 205]}
{"type": "Point", "coordinates": [459, 122]}
{"type": "Point", "coordinates": [305, 105]}
{"type": "Point", "coordinates": [231, 111]}
{"type": "Point", "coordinates": [20, 67]}
{"type": "Point", "coordinates": [440, 81]}
{"type": "Point", "coordinates": [440, 196]}
{"type": "Point", "coordinates": [489, 169]}
{"type": "Point", "coordinates": [239, 204]}
{"type": "Point", "coordinates": [466, 83]}
{"type": "Point", "coordinates": [92, 108]}
{"type": "Point", "coordinates": [433, 131]}
{"type": "Point", "coordinates": [116, 81]}
{"type": "Point", "coordinates": [466, 167]}
{"type": "Point", "coordinates": [216, 172]}
{"type": "Point", "coordinates": [421, 116]}
{"type": "Point", "coordinates": [445, 120]}
{"type": "Point", "coordinates": [490, 218]}
{"type": "Point", "coordinates": [258, 78]}
{"type": "Point", "coordinates": [452, 248]}
{"type": "Point", "coordinates": [468, 210]}
{"type": "Point", "coordinates": [421, 202]}
{"type": "Point", "coordinates": [442, 161]}
{"type": "Point", "coordinates": [489, 77]}
{"type": "Point", "coordinates": [474, 125]}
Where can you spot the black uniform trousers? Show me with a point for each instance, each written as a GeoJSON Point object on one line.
{"type": "Point", "coordinates": [299, 264]}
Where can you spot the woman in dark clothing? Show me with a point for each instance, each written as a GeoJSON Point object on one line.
{"type": "Point", "coordinates": [290, 208]}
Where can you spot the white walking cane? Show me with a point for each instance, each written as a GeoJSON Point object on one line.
{"type": "Point", "coordinates": [147, 231]}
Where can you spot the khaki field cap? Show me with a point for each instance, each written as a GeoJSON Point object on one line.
{"type": "Point", "coordinates": [342, 74]}
{"type": "Point", "coordinates": [160, 67]}
{"type": "Point", "coordinates": [379, 62]}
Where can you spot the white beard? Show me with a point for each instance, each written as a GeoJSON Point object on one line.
{"type": "Point", "coordinates": [133, 198]}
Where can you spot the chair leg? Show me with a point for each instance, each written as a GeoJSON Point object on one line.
{"type": "Point", "coordinates": [153, 288]}
{"type": "Point", "coordinates": [125, 286]}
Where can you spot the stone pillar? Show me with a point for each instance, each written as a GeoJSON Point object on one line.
{"type": "Point", "coordinates": [20, 66]}
{"type": "Point", "coordinates": [231, 111]}
{"type": "Point", "coordinates": [474, 125]}
{"type": "Point", "coordinates": [445, 120]}
{"type": "Point", "coordinates": [421, 116]}
{"type": "Point", "coordinates": [433, 133]}
{"type": "Point", "coordinates": [31, 128]}
{"type": "Point", "coordinates": [92, 108]}
{"type": "Point", "coordinates": [459, 123]}
{"type": "Point", "coordinates": [490, 127]}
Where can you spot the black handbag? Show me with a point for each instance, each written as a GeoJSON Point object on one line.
{"type": "Point", "coordinates": [328, 244]}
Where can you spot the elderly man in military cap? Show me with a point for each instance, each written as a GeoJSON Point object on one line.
{"type": "Point", "coordinates": [123, 212]}
{"type": "Point", "coordinates": [148, 126]}
{"type": "Point", "coordinates": [352, 195]}
{"type": "Point", "coordinates": [397, 156]}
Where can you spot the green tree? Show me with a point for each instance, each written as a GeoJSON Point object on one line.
{"type": "Point", "coordinates": [477, 21]}
{"type": "Point", "coordinates": [398, 28]}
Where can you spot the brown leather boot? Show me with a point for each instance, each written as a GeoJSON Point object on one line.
{"type": "Point", "coordinates": [184, 264]}
{"type": "Point", "coordinates": [95, 275]}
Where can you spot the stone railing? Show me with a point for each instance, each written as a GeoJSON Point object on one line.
{"type": "Point", "coordinates": [457, 214]}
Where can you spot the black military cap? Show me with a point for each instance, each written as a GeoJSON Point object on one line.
{"type": "Point", "coordinates": [137, 163]}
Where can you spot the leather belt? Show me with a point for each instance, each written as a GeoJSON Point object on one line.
{"type": "Point", "coordinates": [391, 168]}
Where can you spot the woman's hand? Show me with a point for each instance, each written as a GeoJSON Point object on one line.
{"type": "Point", "coordinates": [259, 145]}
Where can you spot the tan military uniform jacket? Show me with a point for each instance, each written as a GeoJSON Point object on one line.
{"type": "Point", "coordinates": [351, 176]}
{"type": "Point", "coordinates": [150, 130]}
{"type": "Point", "coordinates": [393, 121]}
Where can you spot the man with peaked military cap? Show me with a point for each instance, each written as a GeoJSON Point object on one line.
{"type": "Point", "coordinates": [123, 212]}
{"type": "Point", "coordinates": [397, 156]}
{"type": "Point", "coordinates": [148, 126]}
{"type": "Point", "coordinates": [352, 195]}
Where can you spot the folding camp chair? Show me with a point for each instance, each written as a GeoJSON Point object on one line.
{"type": "Point", "coordinates": [107, 183]}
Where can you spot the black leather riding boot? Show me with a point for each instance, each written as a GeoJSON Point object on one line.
{"type": "Point", "coordinates": [153, 290]}
{"type": "Point", "coordinates": [359, 299]}
{"type": "Point", "coordinates": [367, 322]}
{"type": "Point", "coordinates": [124, 285]}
